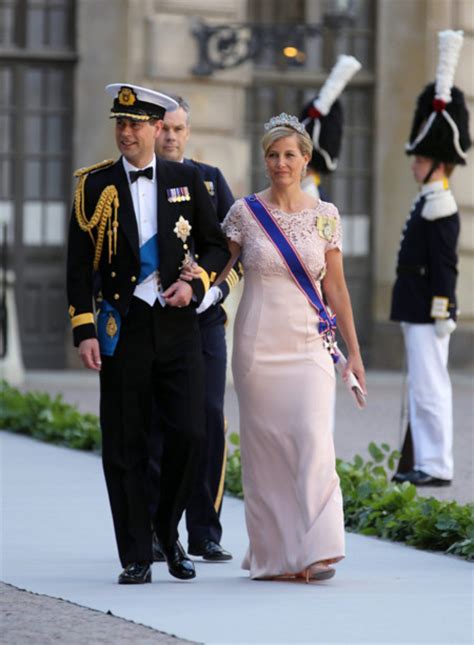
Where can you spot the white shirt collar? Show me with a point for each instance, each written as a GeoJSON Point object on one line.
{"type": "Point", "coordinates": [433, 187]}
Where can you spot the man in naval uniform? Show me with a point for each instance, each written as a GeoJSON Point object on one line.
{"type": "Point", "coordinates": [136, 224]}
{"type": "Point", "coordinates": [424, 294]}
{"type": "Point", "coordinates": [203, 509]}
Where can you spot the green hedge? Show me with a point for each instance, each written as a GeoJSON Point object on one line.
{"type": "Point", "coordinates": [375, 506]}
{"type": "Point", "coordinates": [38, 415]}
{"type": "Point", "coordinates": [372, 504]}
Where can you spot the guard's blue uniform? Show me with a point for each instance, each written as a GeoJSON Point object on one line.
{"type": "Point", "coordinates": [424, 292]}
{"type": "Point", "coordinates": [427, 260]}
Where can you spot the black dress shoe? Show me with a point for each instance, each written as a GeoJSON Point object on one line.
{"type": "Point", "coordinates": [179, 565]}
{"type": "Point", "coordinates": [135, 574]}
{"type": "Point", "coordinates": [420, 478]}
{"type": "Point", "coordinates": [210, 550]}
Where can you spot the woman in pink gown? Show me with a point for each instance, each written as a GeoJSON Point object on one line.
{"type": "Point", "coordinates": [284, 375]}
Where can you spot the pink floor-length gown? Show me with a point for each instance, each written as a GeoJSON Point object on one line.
{"type": "Point", "coordinates": [285, 382]}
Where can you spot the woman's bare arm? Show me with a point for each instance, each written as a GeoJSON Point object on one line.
{"type": "Point", "coordinates": [335, 290]}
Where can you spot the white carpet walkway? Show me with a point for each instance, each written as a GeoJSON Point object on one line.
{"type": "Point", "coordinates": [57, 540]}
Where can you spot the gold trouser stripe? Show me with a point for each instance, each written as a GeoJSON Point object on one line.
{"type": "Point", "coordinates": [232, 279]}
{"type": "Point", "coordinates": [82, 319]}
{"type": "Point", "coordinates": [205, 279]}
{"type": "Point", "coordinates": [220, 490]}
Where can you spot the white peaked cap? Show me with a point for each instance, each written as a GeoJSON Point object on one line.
{"type": "Point", "coordinates": [142, 95]}
{"type": "Point", "coordinates": [449, 46]}
{"type": "Point", "coordinates": [341, 74]}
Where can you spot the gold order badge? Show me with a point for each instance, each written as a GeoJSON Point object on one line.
{"type": "Point", "coordinates": [111, 327]}
{"type": "Point", "coordinates": [326, 227]}
{"type": "Point", "coordinates": [126, 96]}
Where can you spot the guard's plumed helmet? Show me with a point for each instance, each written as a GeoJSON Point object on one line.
{"type": "Point", "coordinates": [323, 115]}
{"type": "Point", "coordinates": [440, 128]}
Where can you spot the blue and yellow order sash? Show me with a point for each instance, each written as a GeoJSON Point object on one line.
{"type": "Point", "coordinates": [290, 256]}
{"type": "Point", "coordinates": [109, 320]}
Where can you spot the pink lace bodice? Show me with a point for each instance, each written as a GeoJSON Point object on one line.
{"type": "Point", "coordinates": [259, 253]}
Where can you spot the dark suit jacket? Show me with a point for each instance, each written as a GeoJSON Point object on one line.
{"type": "Point", "coordinates": [222, 199]}
{"type": "Point", "coordinates": [426, 266]}
{"type": "Point", "coordinates": [118, 278]}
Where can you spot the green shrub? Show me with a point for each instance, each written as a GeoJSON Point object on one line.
{"type": "Point", "coordinates": [375, 506]}
{"type": "Point", "coordinates": [38, 415]}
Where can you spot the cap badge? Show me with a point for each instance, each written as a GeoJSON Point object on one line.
{"type": "Point", "coordinates": [127, 96]}
{"type": "Point", "coordinates": [326, 227]}
{"type": "Point", "coordinates": [179, 194]}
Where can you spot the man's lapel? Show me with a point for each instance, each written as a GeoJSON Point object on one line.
{"type": "Point", "coordinates": [127, 218]}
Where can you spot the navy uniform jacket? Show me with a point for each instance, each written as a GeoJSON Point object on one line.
{"type": "Point", "coordinates": [118, 276]}
{"type": "Point", "coordinates": [222, 198]}
{"type": "Point", "coordinates": [427, 260]}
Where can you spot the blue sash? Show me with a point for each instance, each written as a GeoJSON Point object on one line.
{"type": "Point", "coordinates": [327, 321]}
{"type": "Point", "coordinates": [109, 320]}
{"type": "Point", "coordinates": [149, 258]}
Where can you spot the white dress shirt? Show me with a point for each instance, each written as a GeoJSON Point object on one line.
{"type": "Point", "coordinates": [144, 194]}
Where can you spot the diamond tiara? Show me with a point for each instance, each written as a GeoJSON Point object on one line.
{"type": "Point", "coordinates": [286, 120]}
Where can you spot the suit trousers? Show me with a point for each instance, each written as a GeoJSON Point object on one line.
{"type": "Point", "coordinates": [157, 364]}
{"type": "Point", "coordinates": [203, 508]}
{"type": "Point", "coordinates": [429, 399]}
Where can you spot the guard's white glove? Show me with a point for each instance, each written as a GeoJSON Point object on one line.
{"type": "Point", "coordinates": [444, 327]}
{"type": "Point", "coordinates": [212, 297]}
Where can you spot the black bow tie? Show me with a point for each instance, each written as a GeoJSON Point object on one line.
{"type": "Point", "coordinates": [146, 172]}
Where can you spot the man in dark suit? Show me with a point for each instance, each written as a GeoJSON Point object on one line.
{"type": "Point", "coordinates": [203, 510]}
{"type": "Point", "coordinates": [136, 224]}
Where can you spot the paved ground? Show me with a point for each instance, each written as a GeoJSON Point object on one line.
{"type": "Point", "coordinates": [32, 618]}
{"type": "Point", "coordinates": [58, 541]}
{"type": "Point", "coordinates": [376, 585]}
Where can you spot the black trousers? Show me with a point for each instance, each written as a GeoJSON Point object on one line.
{"type": "Point", "coordinates": [204, 505]}
{"type": "Point", "coordinates": [157, 365]}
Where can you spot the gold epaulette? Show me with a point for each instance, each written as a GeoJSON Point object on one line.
{"type": "Point", "coordinates": [84, 171]}
{"type": "Point", "coordinates": [105, 211]}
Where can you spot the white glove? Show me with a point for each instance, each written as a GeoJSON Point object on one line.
{"type": "Point", "coordinates": [444, 327]}
{"type": "Point", "coordinates": [212, 297]}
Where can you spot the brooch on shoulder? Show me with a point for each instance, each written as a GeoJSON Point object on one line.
{"type": "Point", "coordinates": [326, 227]}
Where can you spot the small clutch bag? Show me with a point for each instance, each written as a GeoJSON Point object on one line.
{"type": "Point", "coordinates": [351, 382]}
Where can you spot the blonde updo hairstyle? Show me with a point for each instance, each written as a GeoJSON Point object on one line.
{"type": "Point", "coordinates": [305, 143]}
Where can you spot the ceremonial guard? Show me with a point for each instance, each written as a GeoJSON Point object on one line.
{"type": "Point", "coordinates": [424, 298]}
{"type": "Point", "coordinates": [323, 119]}
{"type": "Point", "coordinates": [137, 223]}
{"type": "Point", "coordinates": [203, 509]}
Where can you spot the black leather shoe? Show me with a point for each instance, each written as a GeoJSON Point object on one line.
{"type": "Point", "coordinates": [210, 550]}
{"type": "Point", "coordinates": [179, 565]}
{"type": "Point", "coordinates": [420, 478]}
{"type": "Point", "coordinates": [135, 574]}
{"type": "Point", "coordinates": [156, 549]}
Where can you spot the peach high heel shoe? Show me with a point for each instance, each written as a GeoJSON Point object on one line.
{"type": "Point", "coordinates": [318, 571]}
